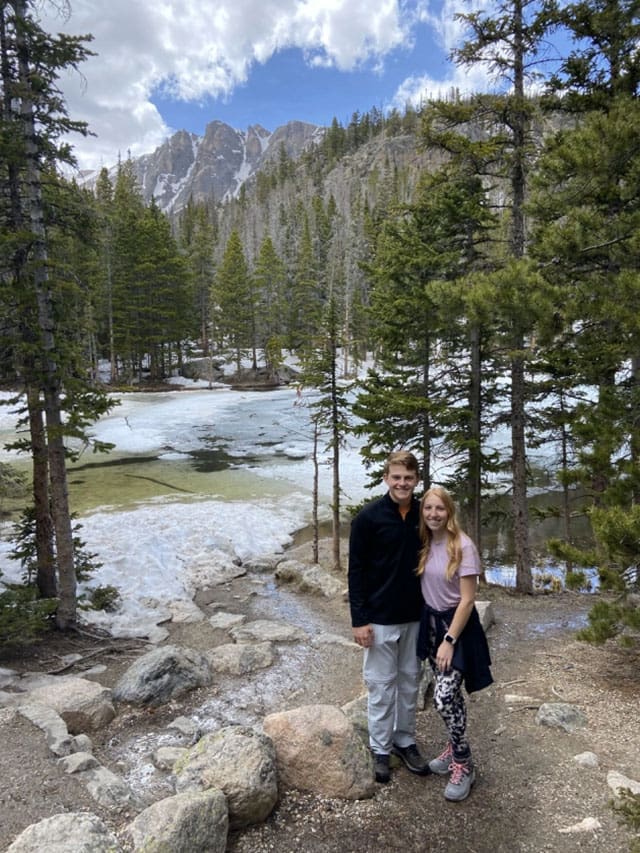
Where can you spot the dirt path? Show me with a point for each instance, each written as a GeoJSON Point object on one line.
{"type": "Point", "coordinates": [529, 789]}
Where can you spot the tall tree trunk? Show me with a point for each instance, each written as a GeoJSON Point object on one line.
{"type": "Point", "coordinates": [426, 425]}
{"type": "Point", "coordinates": [66, 612]}
{"type": "Point", "coordinates": [45, 555]}
{"type": "Point", "coordinates": [475, 436]}
{"type": "Point", "coordinates": [335, 442]}
{"type": "Point", "coordinates": [314, 492]}
{"type": "Point", "coordinates": [524, 581]}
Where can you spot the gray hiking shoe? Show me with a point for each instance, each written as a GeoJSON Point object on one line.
{"type": "Point", "coordinates": [463, 775]}
{"type": "Point", "coordinates": [381, 767]}
{"type": "Point", "coordinates": [441, 764]}
{"type": "Point", "coordinates": [412, 759]}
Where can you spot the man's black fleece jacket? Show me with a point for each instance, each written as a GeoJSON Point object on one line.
{"type": "Point", "coordinates": [383, 555]}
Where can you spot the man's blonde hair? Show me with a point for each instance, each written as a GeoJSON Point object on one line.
{"type": "Point", "coordinates": [402, 457]}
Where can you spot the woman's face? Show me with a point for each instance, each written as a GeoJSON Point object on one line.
{"type": "Point", "coordinates": [434, 513]}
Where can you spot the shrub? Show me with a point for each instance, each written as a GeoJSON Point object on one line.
{"type": "Point", "coordinates": [23, 616]}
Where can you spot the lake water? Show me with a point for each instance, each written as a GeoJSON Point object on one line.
{"type": "Point", "coordinates": [202, 449]}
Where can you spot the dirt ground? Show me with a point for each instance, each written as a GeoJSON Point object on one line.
{"type": "Point", "coordinates": [530, 790]}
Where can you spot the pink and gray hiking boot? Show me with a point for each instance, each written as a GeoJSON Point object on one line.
{"type": "Point", "coordinates": [441, 764]}
{"type": "Point", "coordinates": [463, 775]}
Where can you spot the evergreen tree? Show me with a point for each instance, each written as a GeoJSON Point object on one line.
{"type": "Point", "coordinates": [127, 298]}
{"type": "Point", "coordinates": [509, 42]}
{"type": "Point", "coordinates": [321, 371]}
{"type": "Point", "coordinates": [234, 301]}
{"type": "Point", "coordinates": [33, 120]}
{"type": "Point", "coordinates": [270, 281]}
{"type": "Point", "coordinates": [425, 394]}
{"type": "Point", "coordinates": [198, 239]}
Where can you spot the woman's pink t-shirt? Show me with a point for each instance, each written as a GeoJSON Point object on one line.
{"type": "Point", "coordinates": [437, 591]}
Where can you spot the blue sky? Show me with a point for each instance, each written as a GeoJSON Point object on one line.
{"type": "Point", "coordinates": [164, 65]}
{"type": "Point", "coordinates": [286, 87]}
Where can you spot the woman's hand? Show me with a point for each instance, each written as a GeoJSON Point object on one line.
{"type": "Point", "coordinates": [444, 656]}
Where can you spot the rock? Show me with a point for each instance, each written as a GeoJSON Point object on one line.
{"type": "Point", "coordinates": [78, 762]}
{"type": "Point", "coordinates": [239, 761]}
{"type": "Point", "coordinates": [240, 659]}
{"type": "Point", "coordinates": [486, 614]}
{"type": "Point", "coordinates": [589, 824]}
{"type": "Point", "coordinates": [318, 749]}
{"type": "Point", "coordinates": [616, 781]}
{"type": "Point", "coordinates": [226, 620]}
{"type": "Point", "coordinates": [83, 705]}
{"type": "Point", "coordinates": [356, 712]}
{"type": "Point", "coordinates": [165, 757]}
{"type": "Point", "coordinates": [193, 822]}
{"type": "Point", "coordinates": [7, 677]}
{"type": "Point", "coordinates": [562, 715]}
{"type": "Point", "coordinates": [334, 640]}
{"type": "Point", "coordinates": [185, 726]}
{"type": "Point", "coordinates": [309, 578]}
{"type": "Point", "coordinates": [520, 699]}
{"type": "Point", "coordinates": [213, 569]}
{"type": "Point", "coordinates": [162, 674]}
{"type": "Point", "coordinates": [75, 832]}
{"type": "Point", "coordinates": [265, 630]}
{"type": "Point", "coordinates": [587, 759]}
{"type": "Point", "coordinates": [54, 727]}
{"type": "Point", "coordinates": [185, 611]}
{"type": "Point", "coordinates": [108, 789]}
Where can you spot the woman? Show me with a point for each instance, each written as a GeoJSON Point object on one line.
{"type": "Point", "coordinates": [451, 635]}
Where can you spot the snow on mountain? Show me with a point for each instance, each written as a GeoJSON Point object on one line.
{"type": "Point", "coordinates": [214, 166]}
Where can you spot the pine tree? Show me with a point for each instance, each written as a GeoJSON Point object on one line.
{"type": "Point", "coordinates": [33, 120]}
{"type": "Point", "coordinates": [330, 410]}
{"type": "Point", "coordinates": [270, 281]}
{"type": "Point", "coordinates": [234, 301]}
{"type": "Point", "coordinates": [508, 41]}
{"type": "Point", "coordinates": [198, 239]}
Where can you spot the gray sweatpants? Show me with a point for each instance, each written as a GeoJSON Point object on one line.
{"type": "Point", "coordinates": [391, 672]}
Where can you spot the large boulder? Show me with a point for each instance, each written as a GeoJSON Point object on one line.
{"type": "Point", "coordinates": [83, 705]}
{"type": "Point", "coordinates": [74, 832]}
{"type": "Point", "coordinates": [193, 822]}
{"type": "Point", "coordinates": [319, 749]}
{"type": "Point", "coordinates": [241, 762]}
{"type": "Point", "coordinates": [163, 674]}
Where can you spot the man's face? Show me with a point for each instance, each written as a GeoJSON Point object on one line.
{"type": "Point", "coordinates": [401, 482]}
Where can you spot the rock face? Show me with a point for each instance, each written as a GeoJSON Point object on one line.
{"type": "Point", "coordinates": [241, 762]}
{"type": "Point", "coordinates": [318, 749]}
{"type": "Point", "coordinates": [213, 167]}
{"type": "Point", "coordinates": [163, 674]}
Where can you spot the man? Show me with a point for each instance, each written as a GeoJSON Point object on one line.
{"type": "Point", "coordinates": [386, 603]}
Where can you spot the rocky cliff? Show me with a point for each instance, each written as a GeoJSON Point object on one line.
{"type": "Point", "coordinates": [216, 165]}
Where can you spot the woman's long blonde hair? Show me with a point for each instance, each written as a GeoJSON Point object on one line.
{"type": "Point", "coordinates": [454, 531]}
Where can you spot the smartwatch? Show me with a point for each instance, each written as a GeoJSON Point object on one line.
{"type": "Point", "coordinates": [449, 639]}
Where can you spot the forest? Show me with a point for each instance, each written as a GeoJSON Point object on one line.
{"type": "Point", "coordinates": [492, 279]}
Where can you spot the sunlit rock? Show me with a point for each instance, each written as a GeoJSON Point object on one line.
{"type": "Point", "coordinates": [318, 749]}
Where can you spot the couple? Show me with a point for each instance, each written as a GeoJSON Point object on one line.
{"type": "Point", "coordinates": [413, 575]}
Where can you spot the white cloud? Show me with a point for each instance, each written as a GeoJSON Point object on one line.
{"type": "Point", "coordinates": [195, 48]}
{"type": "Point", "coordinates": [416, 91]}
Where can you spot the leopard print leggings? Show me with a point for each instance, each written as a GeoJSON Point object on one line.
{"type": "Point", "coordinates": [449, 703]}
